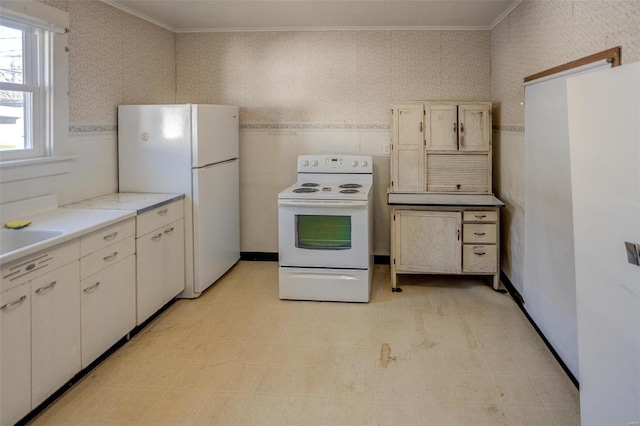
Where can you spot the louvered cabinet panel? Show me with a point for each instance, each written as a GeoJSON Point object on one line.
{"type": "Point", "coordinates": [458, 173]}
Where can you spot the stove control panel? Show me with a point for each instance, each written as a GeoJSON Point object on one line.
{"type": "Point", "coordinates": [335, 164]}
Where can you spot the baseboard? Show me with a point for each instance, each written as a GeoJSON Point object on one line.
{"type": "Point", "coordinates": [259, 256]}
{"type": "Point", "coordinates": [515, 294]}
{"type": "Point", "coordinates": [262, 256]}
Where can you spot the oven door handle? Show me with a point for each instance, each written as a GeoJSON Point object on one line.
{"type": "Point", "coordinates": [341, 204]}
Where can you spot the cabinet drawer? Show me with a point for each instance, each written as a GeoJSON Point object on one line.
{"type": "Point", "coordinates": [480, 216]}
{"type": "Point", "coordinates": [479, 258]}
{"type": "Point", "coordinates": [161, 216]}
{"type": "Point", "coordinates": [99, 260]}
{"type": "Point", "coordinates": [37, 264]}
{"type": "Point", "coordinates": [106, 236]}
{"type": "Point", "coordinates": [479, 233]}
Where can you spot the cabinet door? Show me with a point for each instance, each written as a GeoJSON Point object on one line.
{"type": "Point", "coordinates": [173, 259]}
{"type": "Point", "coordinates": [55, 330]}
{"type": "Point", "coordinates": [150, 274]}
{"type": "Point", "coordinates": [427, 241]}
{"type": "Point", "coordinates": [15, 360]}
{"type": "Point", "coordinates": [407, 154]}
{"type": "Point", "coordinates": [442, 127]}
{"type": "Point", "coordinates": [108, 308]}
{"type": "Point", "coordinates": [474, 128]}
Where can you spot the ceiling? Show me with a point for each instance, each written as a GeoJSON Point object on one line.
{"type": "Point", "coordinates": [271, 15]}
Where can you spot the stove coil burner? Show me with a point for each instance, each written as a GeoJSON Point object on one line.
{"type": "Point", "coordinates": [351, 185]}
{"type": "Point", "coordinates": [310, 185]}
{"type": "Point", "coordinates": [304, 190]}
{"type": "Point", "coordinates": [349, 191]}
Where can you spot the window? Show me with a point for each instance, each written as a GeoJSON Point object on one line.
{"type": "Point", "coordinates": [22, 92]}
{"type": "Point", "coordinates": [30, 42]}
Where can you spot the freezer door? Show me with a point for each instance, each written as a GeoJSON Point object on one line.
{"type": "Point", "coordinates": [216, 222]}
{"type": "Point", "coordinates": [215, 133]}
{"type": "Point", "coordinates": [154, 148]}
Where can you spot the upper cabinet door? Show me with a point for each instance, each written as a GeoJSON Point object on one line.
{"type": "Point", "coordinates": [407, 154]}
{"type": "Point", "coordinates": [474, 128]}
{"type": "Point", "coordinates": [442, 128]}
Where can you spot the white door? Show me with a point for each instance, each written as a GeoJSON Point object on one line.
{"type": "Point", "coordinates": [215, 133]}
{"type": "Point", "coordinates": [216, 221]}
{"type": "Point", "coordinates": [15, 369]}
{"type": "Point", "coordinates": [55, 330]}
{"type": "Point", "coordinates": [604, 133]}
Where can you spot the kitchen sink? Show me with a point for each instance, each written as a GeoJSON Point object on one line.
{"type": "Point", "coordinates": [14, 239]}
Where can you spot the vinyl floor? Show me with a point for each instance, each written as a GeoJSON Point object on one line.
{"type": "Point", "coordinates": [445, 351]}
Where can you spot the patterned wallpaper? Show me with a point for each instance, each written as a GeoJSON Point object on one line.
{"type": "Point", "coordinates": [115, 58]}
{"type": "Point", "coordinates": [331, 78]}
{"type": "Point", "coordinates": [539, 35]}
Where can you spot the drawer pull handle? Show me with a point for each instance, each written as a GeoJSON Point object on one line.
{"type": "Point", "coordinates": [30, 266]}
{"type": "Point", "coordinates": [479, 233]}
{"type": "Point", "coordinates": [169, 231]}
{"type": "Point", "coordinates": [156, 237]}
{"type": "Point", "coordinates": [163, 212]}
{"type": "Point", "coordinates": [481, 216]}
{"type": "Point", "coordinates": [93, 287]}
{"type": "Point", "coordinates": [110, 236]}
{"type": "Point", "coordinates": [12, 304]}
{"type": "Point", "coordinates": [48, 287]}
{"type": "Point", "coordinates": [110, 257]}
{"type": "Point", "coordinates": [480, 253]}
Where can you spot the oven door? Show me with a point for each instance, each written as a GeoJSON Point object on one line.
{"type": "Point", "coordinates": [324, 234]}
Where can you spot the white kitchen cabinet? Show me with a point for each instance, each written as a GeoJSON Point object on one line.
{"type": "Point", "coordinates": [160, 253]}
{"type": "Point", "coordinates": [55, 330]}
{"type": "Point", "coordinates": [40, 332]}
{"type": "Point", "coordinates": [15, 361]}
{"type": "Point", "coordinates": [445, 234]}
{"type": "Point", "coordinates": [407, 145]}
{"type": "Point", "coordinates": [464, 127]}
{"type": "Point", "coordinates": [442, 147]}
{"type": "Point", "coordinates": [108, 288]}
{"type": "Point", "coordinates": [427, 241]}
{"type": "Point", "coordinates": [108, 308]}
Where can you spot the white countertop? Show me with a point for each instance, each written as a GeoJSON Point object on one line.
{"type": "Point", "coordinates": [430, 199]}
{"type": "Point", "coordinates": [83, 217]}
{"type": "Point", "coordinates": [72, 223]}
{"type": "Point", "coordinates": [139, 202]}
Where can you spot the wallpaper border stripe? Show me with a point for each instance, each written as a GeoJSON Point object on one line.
{"type": "Point", "coordinates": [508, 128]}
{"type": "Point", "coordinates": [95, 128]}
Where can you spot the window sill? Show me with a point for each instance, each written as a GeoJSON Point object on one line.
{"type": "Point", "coordinates": [16, 170]}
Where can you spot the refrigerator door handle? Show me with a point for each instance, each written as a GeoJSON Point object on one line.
{"type": "Point", "coordinates": [221, 163]}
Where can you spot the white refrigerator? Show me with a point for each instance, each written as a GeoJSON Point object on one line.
{"type": "Point", "coordinates": [194, 150]}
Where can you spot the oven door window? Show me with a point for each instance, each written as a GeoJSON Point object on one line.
{"type": "Point", "coordinates": [323, 232]}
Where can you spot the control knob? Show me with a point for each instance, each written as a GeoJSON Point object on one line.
{"type": "Point", "coordinates": [314, 163]}
{"type": "Point", "coordinates": [365, 163]}
{"type": "Point", "coordinates": [305, 163]}
{"type": "Point", "coordinates": [354, 163]}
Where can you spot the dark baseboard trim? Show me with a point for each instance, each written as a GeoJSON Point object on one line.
{"type": "Point", "coordinates": [273, 257]}
{"type": "Point", "coordinates": [520, 302]}
{"type": "Point", "coordinates": [259, 256]}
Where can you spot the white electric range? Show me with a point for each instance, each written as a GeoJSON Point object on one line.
{"type": "Point", "coordinates": [326, 230]}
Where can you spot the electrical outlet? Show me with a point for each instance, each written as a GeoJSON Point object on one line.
{"type": "Point", "coordinates": [386, 149]}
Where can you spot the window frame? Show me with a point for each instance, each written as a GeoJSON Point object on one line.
{"type": "Point", "coordinates": [36, 89]}
{"type": "Point", "coordinates": [50, 137]}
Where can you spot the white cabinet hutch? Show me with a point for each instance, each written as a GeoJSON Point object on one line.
{"type": "Point", "coordinates": [444, 218]}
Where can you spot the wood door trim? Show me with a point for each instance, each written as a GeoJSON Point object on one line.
{"type": "Point", "coordinates": [613, 56]}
